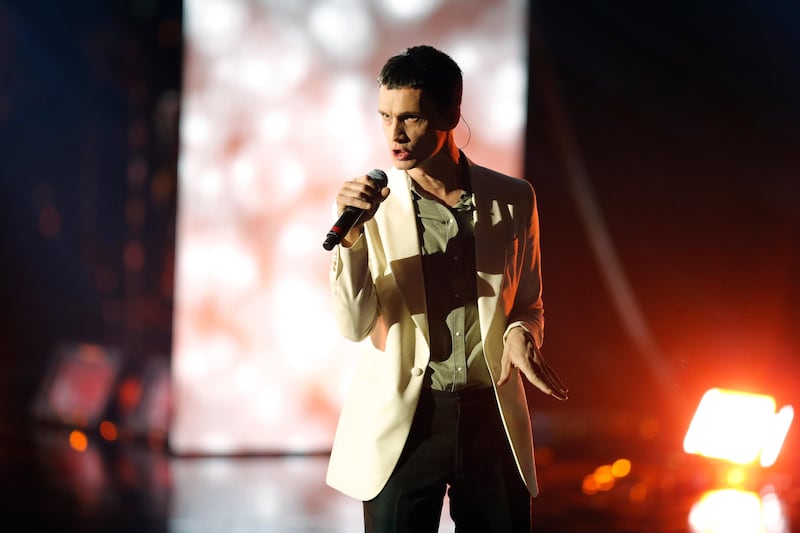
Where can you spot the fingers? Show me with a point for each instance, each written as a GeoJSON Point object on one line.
{"type": "Point", "coordinates": [548, 382]}
{"type": "Point", "coordinates": [353, 194]}
{"type": "Point", "coordinates": [560, 390]}
{"type": "Point", "coordinates": [537, 378]}
{"type": "Point", "coordinates": [540, 374]}
{"type": "Point", "coordinates": [556, 387]}
{"type": "Point", "coordinates": [521, 352]}
{"type": "Point", "coordinates": [360, 193]}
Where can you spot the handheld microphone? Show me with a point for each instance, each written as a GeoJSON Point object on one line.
{"type": "Point", "coordinates": [351, 215]}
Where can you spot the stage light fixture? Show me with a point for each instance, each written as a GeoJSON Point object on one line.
{"type": "Point", "coordinates": [738, 427]}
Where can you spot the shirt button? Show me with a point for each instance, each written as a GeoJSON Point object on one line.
{"type": "Point", "coordinates": [416, 371]}
{"type": "Point", "coordinates": [458, 333]}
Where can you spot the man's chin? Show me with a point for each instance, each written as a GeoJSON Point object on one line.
{"type": "Point", "coordinates": [405, 164]}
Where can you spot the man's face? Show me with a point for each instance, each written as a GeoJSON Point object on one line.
{"type": "Point", "coordinates": [415, 131]}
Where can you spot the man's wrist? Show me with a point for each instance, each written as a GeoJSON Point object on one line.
{"type": "Point", "coordinates": [512, 327]}
{"type": "Point", "coordinates": [533, 337]}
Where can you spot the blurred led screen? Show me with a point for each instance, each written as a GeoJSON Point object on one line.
{"type": "Point", "coordinates": [279, 107]}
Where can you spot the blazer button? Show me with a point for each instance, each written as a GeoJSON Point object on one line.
{"type": "Point", "coordinates": [416, 371]}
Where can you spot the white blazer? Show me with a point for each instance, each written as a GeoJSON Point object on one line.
{"type": "Point", "coordinates": [385, 300]}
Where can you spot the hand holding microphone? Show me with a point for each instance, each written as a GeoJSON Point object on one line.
{"type": "Point", "coordinates": [357, 202]}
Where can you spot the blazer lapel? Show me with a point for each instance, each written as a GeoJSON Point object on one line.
{"type": "Point", "coordinates": [398, 222]}
{"type": "Point", "coordinates": [491, 228]}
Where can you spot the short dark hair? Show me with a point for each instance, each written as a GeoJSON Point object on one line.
{"type": "Point", "coordinates": [424, 67]}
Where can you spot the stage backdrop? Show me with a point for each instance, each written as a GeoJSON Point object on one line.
{"type": "Point", "coordinates": [279, 107]}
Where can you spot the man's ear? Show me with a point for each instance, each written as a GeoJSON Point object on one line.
{"type": "Point", "coordinates": [452, 117]}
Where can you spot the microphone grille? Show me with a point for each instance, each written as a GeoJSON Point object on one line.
{"type": "Point", "coordinates": [379, 177]}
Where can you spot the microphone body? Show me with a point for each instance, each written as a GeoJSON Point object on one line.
{"type": "Point", "coordinates": [351, 215]}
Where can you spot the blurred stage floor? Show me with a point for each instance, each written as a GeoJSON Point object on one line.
{"type": "Point", "coordinates": [128, 487]}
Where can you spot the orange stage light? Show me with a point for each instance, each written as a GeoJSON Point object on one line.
{"type": "Point", "coordinates": [738, 427]}
{"type": "Point", "coordinates": [78, 440]}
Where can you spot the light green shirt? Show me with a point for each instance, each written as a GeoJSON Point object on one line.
{"type": "Point", "coordinates": [447, 240]}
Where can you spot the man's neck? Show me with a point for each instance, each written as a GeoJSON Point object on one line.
{"type": "Point", "coordinates": [443, 176]}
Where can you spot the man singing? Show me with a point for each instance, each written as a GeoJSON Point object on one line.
{"type": "Point", "coordinates": [442, 273]}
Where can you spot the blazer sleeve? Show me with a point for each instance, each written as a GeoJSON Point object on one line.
{"type": "Point", "coordinates": [355, 304]}
{"type": "Point", "coordinates": [528, 309]}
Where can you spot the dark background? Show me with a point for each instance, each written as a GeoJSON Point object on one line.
{"type": "Point", "coordinates": [89, 95]}
{"type": "Point", "coordinates": [686, 121]}
{"type": "Point", "coordinates": [683, 117]}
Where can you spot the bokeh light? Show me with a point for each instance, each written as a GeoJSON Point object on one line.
{"type": "Point", "coordinates": [737, 511]}
{"type": "Point", "coordinates": [279, 107]}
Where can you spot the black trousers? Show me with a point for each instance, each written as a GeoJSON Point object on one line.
{"type": "Point", "coordinates": [457, 440]}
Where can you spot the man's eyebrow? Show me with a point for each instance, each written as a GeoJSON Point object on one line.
{"type": "Point", "coordinates": [404, 114]}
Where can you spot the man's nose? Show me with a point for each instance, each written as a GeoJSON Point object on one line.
{"type": "Point", "coordinates": [396, 130]}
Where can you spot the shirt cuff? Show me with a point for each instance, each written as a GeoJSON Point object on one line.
{"type": "Point", "coordinates": [520, 324]}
